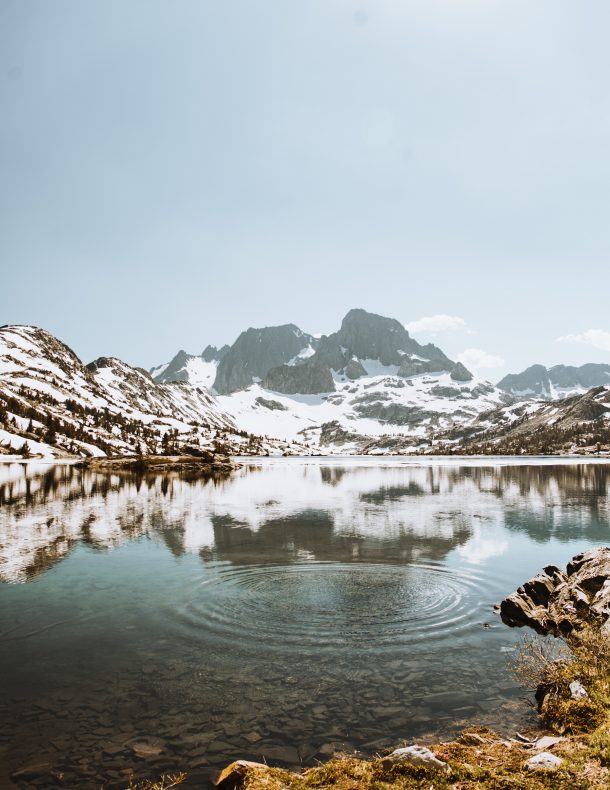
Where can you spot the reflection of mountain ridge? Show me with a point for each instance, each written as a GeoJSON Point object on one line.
{"type": "Point", "coordinates": [312, 534]}
{"type": "Point", "coordinates": [285, 513]}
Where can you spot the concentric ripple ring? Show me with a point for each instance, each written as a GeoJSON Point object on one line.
{"type": "Point", "coordinates": [331, 605]}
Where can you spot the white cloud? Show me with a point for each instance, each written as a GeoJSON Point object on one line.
{"type": "Point", "coordinates": [476, 359]}
{"type": "Point", "coordinates": [598, 338]}
{"type": "Point", "coordinates": [437, 323]}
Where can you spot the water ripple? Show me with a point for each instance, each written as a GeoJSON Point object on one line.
{"type": "Point", "coordinates": [332, 606]}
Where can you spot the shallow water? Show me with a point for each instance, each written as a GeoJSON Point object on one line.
{"type": "Point", "coordinates": [301, 606]}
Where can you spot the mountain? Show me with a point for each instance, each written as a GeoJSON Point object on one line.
{"type": "Point", "coordinates": [560, 381]}
{"type": "Point", "coordinates": [364, 338]}
{"type": "Point", "coordinates": [56, 406]}
{"type": "Point", "coordinates": [198, 370]}
{"type": "Point", "coordinates": [364, 387]}
{"type": "Point", "coordinates": [256, 351]}
{"type": "Point", "coordinates": [578, 424]}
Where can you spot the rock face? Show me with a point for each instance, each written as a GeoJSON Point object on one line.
{"type": "Point", "coordinates": [563, 603]}
{"type": "Point", "coordinates": [176, 369]}
{"type": "Point", "coordinates": [211, 353]}
{"type": "Point", "coordinates": [307, 379]}
{"type": "Point", "coordinates": [362, 336]}
{"type": "Point", "coordinates": [558, 381]}
{"type": "Point", "coordinates": [371, 336]}
{"type": "Point", "coordinates": [461, 373]}
{"type": "Point", "coordinates": [255, 352]}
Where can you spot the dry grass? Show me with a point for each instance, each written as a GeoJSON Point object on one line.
{"type": "Point", "coordinates": [165, 782]}
{"type": "Point", "coordinates": [549, 666]}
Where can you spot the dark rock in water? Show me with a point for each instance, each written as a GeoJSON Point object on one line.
{"type": "Point", "coordinates": [33, 771]}
{"type": "Point", "coordinates": [561, 603]}
{"type": "Point", "coordinates": [282, 754]}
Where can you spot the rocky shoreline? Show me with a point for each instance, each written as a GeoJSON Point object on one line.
{"type": "Point", "coordinates": [204, 464]}
{"type": "Point", "coordinates": [564, 603]}
{"type": "Point", "coordinates": [571, 748]}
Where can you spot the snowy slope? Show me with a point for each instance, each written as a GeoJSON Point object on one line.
{"type": "Point", "coordinates": [578, 424]}
{"type": "Point", "coordinates": [186, 367]}
{"type": "Point", "coordinates": [57, 406]}
{"type": "Point", "coordinates": [362, 388]}
{"type": "Point", "coordinates": [358, 413]}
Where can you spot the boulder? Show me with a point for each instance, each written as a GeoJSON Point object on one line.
{"type": "Point", "coordinates": [545, 761]}
{"type": "Point", "coordinates": [561, 604]}
{"type": "Point", "coordinates": [415, 755]}
{"type": "Point", "coordinates": [577, 690]}
{"type": "Point", "coordinates": [234, 774]}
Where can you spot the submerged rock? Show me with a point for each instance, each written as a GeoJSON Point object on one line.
{"type": "Point", "coordinates": [32, 771]}
{"type": "Point", "coordinates": [560, 603]}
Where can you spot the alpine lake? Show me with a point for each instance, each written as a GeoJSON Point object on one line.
{"type": "Point", "coordinates": [299, 607]}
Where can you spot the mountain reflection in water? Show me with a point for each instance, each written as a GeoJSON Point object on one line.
{"type": "Point", "coordinates": [384, 513]}
{"type": "Point", "coordinates": [299, 606]}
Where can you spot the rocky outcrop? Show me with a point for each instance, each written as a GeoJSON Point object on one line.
{"type": "Point", "coordinates": [272, 405]}
{"type": "Point", "coordinates": [392, 413]}
{"type": "Point", "coordinates": [461, 373]}
{"type": "Point", "coordinates": [416, 367]}
{"type": "Point", "coordinates": [309, 378]}
{"type": "Point", "coordinates": [256, 352]}
{"type": "Point", "coordinates": [354, 369]}
{"type": "Point", "coordinates": [563, 603]}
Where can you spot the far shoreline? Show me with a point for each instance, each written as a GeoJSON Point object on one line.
{"type": "Point", "coordinates": [107, 463]}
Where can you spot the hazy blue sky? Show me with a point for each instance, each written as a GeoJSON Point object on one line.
{"type": "Point", "coordinates": [174, 172]}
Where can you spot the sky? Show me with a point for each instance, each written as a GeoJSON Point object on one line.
{"type": "Point", "coordinates": [172, 173]}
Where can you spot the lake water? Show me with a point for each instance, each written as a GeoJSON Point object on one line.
{"type": "Point", "coordinates": [301, 606]}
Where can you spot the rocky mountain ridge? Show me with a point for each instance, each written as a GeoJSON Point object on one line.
{"type": "Point", "coordinates": [557, 382]}
{"type": "Point", "coordinates": [574, 425]}
{"type": "Point", "coordinates": [367, 388]}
